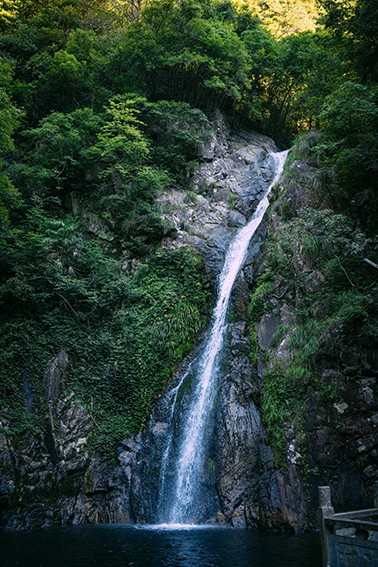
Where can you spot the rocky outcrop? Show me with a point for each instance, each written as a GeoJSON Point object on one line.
{"type": "Point", "coordinates": [37, 467]}
{"type": "Point", "coordinates": [52, 478]}
{"type": "Point", "coordinates": [342, 436]}
{"type": "Point", "coordinates": [55, 479]}
{"type": "Point", "coordinates": [225, 192]}
{"type": "Point", "coordinates": [241, 439]}
{"type": "Point", "coordinates": [240, 484]}
{"type": "Point", "coordinates": [337, 445]}
{"type": "Point", "coordinates": [252, 491]}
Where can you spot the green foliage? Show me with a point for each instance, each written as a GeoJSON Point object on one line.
{"type": "Point", "coordinates": [10, 199]}
{"type": "Point", "coordinates": [179, 132]}
{"type": "Point", "coordinates": [300, 72]}
{"type": "Point", "coordinates": [9, 114]}
{"type": "Point", "coordinates": [56, 163]}
{"type": "Point", "coordinates": [107, 160]}
{"type": "Point", "coordinates": [210, 54]}
{"type": "Point", "coordinates": [254, 352]}
{"type": "Point", "coordinates": [283, 17]}
{"type": "Point", "coordinates": [183, 51]}
{"type": "Point", "coordinates": [349, 123]}
{"type": "Point", "coordinates": [284, 396]}
{"type": "Point", "coordinates": [61, 288]}
{"type": "Point", "coordinates": [58, 65]}
{"type": "Point", "coordinates": [315, 238]}
{"type": "Point", "coordinates": [113, 103]}
{"type": "Point", "coordinates": [354, 23]}
{"type": "Point", "coordinates": [262, 290]}
{"type": "Point", "coordinates": [124, 334]}
{"type": "Point", "coordinates": [8, 11]}
{"type": "Point", "coordinates": [121, 147]}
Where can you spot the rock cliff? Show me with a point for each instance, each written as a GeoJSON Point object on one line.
{"type": "Point", "coordinates": [54, 476]}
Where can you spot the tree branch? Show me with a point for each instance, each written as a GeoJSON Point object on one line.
{"type": "Point", "coordinates": [370, 263]}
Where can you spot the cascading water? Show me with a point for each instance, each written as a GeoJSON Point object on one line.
{"type": "Point", "coordinates": [180, 486]}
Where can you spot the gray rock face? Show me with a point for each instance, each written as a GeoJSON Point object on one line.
{"type": "Point", "coordinates": [55, 374]}
{"type": "Point", "coordinates": [51, 479]}
{"type": "Point", "coordinates": [267, 327]}
{"type": "Point", "coordinates": [348, 450]}
{"type": "Point", "coordinates": [345, 452]}
{"type": "Point", "coordinates": [56, 473]}
{"type": "Point", "coordinates": [252, 492]}
{"type": "Point", "coordinates": [234, 464]}
{"type": "Point", "coordinates": [226, 190]}
{"type": "Point", "coordinates": [240, 437]}
{"type": "Point", "coordinates": [238, 457]}
{"type": "Point", "coordinates": [244, 488]}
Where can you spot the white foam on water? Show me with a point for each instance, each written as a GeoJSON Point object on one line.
{"type": "Point", "coordinates": [172, 527]}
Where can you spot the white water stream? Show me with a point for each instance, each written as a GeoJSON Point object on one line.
{"type": "Point", "coordinates": [191, 451]}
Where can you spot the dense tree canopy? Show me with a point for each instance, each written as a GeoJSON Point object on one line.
{"type": "Point", "coordinates": [355, 23]}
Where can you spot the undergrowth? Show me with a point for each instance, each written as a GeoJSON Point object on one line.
{"type": "Point", "coordinates": [315, 264]}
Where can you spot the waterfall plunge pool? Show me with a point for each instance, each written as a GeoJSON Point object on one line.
{"type": "Point", "coordinates": [156, 546]}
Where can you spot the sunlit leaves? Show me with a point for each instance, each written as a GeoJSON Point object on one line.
{"type": "Point", "coordinates": [284, 17]}
{"type": "Point", "coordinates": [121, 147]}
{"type": "Point", "coordinates": [8, 10]}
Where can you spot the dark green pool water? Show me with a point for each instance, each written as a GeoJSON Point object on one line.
{"type": "Point", "coordinates": [122, 546]}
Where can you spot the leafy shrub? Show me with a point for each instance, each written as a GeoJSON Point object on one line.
{"type": "Point", "coordinates": [124, 334]}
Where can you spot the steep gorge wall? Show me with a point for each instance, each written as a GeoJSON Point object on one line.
{"type": "Point", "coordinates": [243, 486]}
{"type": "Point", "coordinates": [56, 478]}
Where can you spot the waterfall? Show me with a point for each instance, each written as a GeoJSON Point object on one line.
{"type": "Point", "coordinates": [179, 487]}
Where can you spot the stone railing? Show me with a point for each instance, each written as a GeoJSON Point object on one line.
{"type": "Point", "coordinates": [349, 539]}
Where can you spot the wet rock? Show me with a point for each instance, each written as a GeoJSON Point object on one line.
{"type": "Point", "coordinates": [366, 393]}
{"type": "Point", "coordinates": [38, 469]}
{"type": "Point", "coordinates": [106, 494]}
{"type": "Point", "coordinates": [236, 219]}
{"type": "Point", "coordinates": [240, 438]}
{"type": "Point", "coordinates": [251, 491]}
